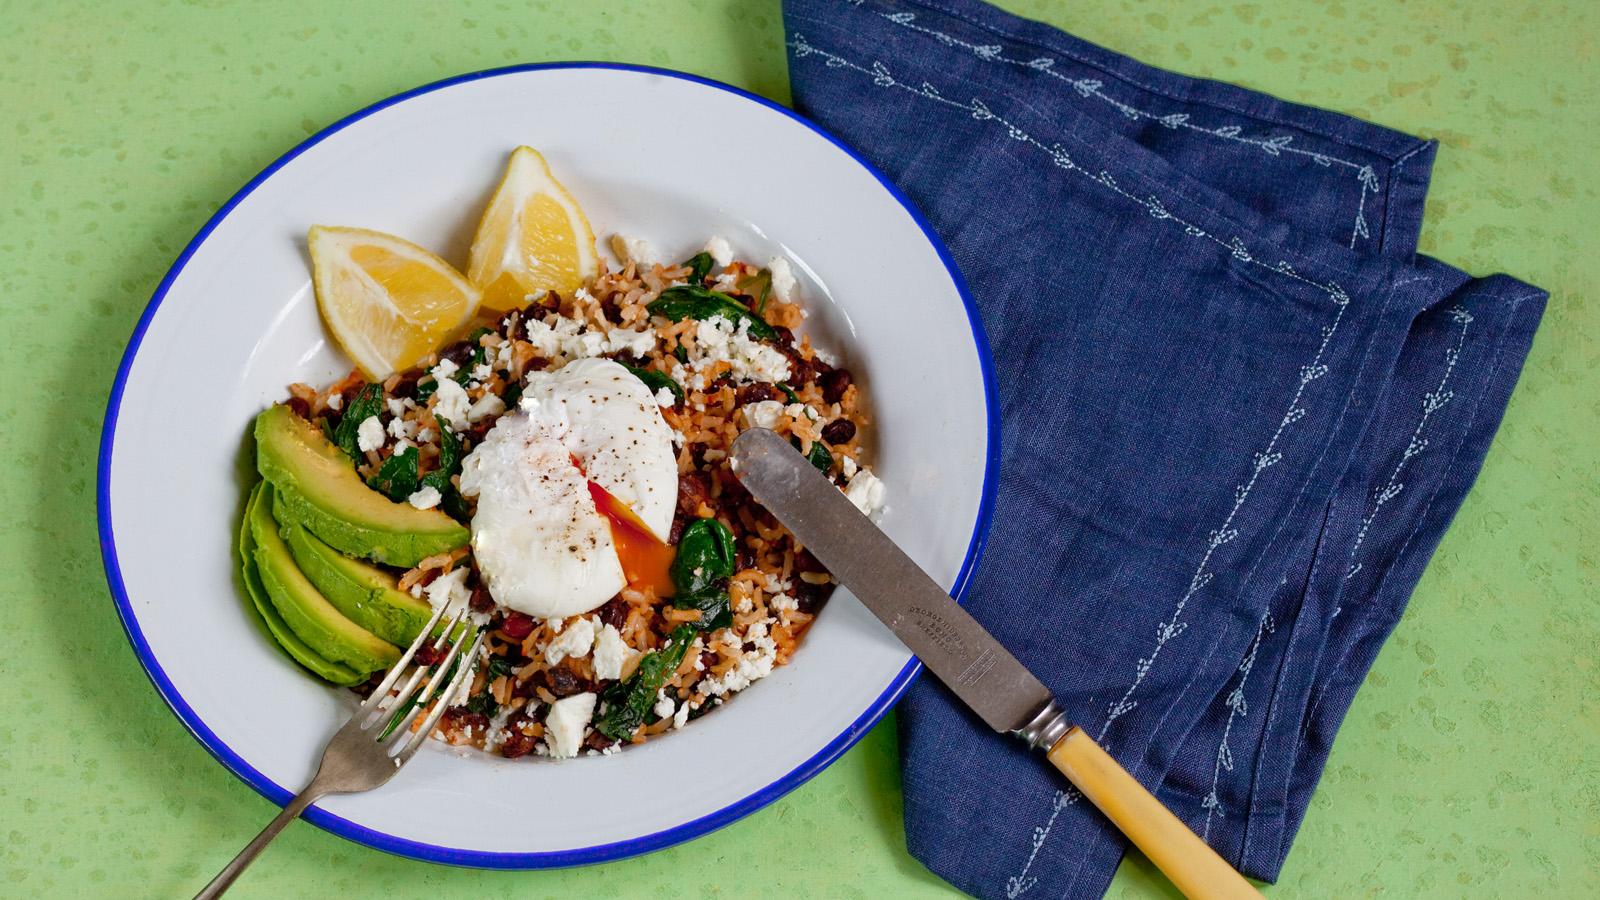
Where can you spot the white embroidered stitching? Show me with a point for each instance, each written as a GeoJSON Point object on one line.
{"type": "Point", "coordinates": [1091, 87]}
{"type": "Point", "coordinates": [1432, 402]}
{"type": "Point", "coordinates": [1236, 709]}
{"type": "Point", "coordinates": [1020, 884]}
{"type": "Point", "coordinates": [1171, 628]}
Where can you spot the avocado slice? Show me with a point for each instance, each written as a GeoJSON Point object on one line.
{"type": "Point", "coordinates": [318, 487]}
{"type": "Point", "coordinates": [366, 594]}
{"type": "Point", "coordinates": [278, 629]}
{"type": "Point", "coordinates": [309, 614]}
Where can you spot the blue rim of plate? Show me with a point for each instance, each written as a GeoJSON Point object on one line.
{"type": "Point", "coordinates": [556, 858]}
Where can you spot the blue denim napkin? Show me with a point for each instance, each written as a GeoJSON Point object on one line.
{"type": "Point", "coordinates": [1238, 411]}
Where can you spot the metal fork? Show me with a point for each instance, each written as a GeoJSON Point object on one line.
{"type": "Point", "coordinates": [362, 755]}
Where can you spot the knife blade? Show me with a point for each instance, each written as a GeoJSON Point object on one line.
{"type": "Point", "coordinates": [962, 653]}
{"type": "Point", "coordinates": [944, 636]}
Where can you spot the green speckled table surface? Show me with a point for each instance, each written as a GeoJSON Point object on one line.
{"type": "Point", "coordinates": [1470, 763]}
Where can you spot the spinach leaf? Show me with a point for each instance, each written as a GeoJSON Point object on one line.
{"type": "Point", "coordinates": [512, 396]}
{"type": "Point", "coordinates": [397, 477]}
{"type": "Point", "coordinates": [449, 464]}
{"type": "Point", "coordinates": [699, 266]}
{"type": "Point", "coordinates": [687, 301]}
{"type": "Point", "coordinates": [716, 611]}
{"type": "Point", "coordinates": [504, 665]}
{"type": "Point", "coordinates": [819, 455]}
{"type": "Point", "coordinates": [789, 392]}
{"type": "Point", "coordinates": [706, 559]}
{"type": "Point", "coordinates": [398, 713]}
{"type": "Point", "coordinates": [449, 457]}
{"type": "Point", "coordinates": [627, 702]}
{"type": "Point", "coordinates": [366, 403]}
{"type": "Point", "coordinates": [480, 354]}
{"type": "Point", "coordinates": [426, 388]}
{"type": "Point", "coordinates": [758, 286]}
{"type": "Point", "coordinates": [654, 380]}
{"type": "Point", "coordinates": [681, 353]}
{"type": "Point", "coordinates": [706, 555]}
{"type": "Point", "coordinates": [483, 703]}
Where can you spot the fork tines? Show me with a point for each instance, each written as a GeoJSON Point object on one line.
{"type": "Point", "coordinates": [458, 666]}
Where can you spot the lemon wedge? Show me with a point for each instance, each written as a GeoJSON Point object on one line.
{"type": "Point", "coordinates": [533, 237]}
{"type": "Point", "coordinates": [387, 301]}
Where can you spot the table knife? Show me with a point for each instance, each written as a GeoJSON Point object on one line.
{"type": "Point", "coordinates": [982, 673]}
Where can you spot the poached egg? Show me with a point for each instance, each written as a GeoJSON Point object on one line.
{"type": "Point", "coordinates": [575, 491]}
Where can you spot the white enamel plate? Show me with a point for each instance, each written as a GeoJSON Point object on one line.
{"type": "Point", "coordinates": [657, 154]}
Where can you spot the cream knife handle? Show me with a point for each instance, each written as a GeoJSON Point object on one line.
{"type": "Point", "coordinates": [1179, 853]}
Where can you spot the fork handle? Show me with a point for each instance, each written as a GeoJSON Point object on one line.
{"type": "Point", "coordinates": [234, 869]}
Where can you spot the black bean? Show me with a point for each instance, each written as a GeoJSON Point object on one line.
{"type": "Point", "coordinates": [839, 431]}
{"type": "Point", "coordinates": [812, 597]}
{"type": "Point", "coordinates": [563, 682]}
{"type": "Point", "coordinates": [614, 613]}
{"type": "Point", "coordinates": [405, 387]}
{"type": "Point", "coordinates": [833, 384]}
{"type": "Point", "coordinates": [805, 562]}
{"type": "Point", "coordinates": [757, 392]}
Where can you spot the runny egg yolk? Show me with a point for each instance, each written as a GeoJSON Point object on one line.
{"type": "Point", "coordinates": [646, 559]}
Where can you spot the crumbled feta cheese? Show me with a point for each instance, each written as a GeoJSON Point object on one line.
{"type": "Point", "coordinates": [633, 249]}
{"type": "Point", "coordinates": [425, 436]}
{"type": "Point", "coordinates": [636, 343]}
{"type": "Point", "coordinates": [449, 591]}
{"type": "Point", "coordinates": [718, 247]}
{"type": "Point", "coordinates": [783, 282]}
{"type": "Point", "coordinates": [425, 497]}
{"type": "Point", "coordinates": [502, 356]}
{"type": "Point", "coordinates": [369, 434]}
{"type": "Point", "coordinates": [397, 408]}
{"type": "Point", "coordinates": [572, 338]}
{"type": "Point", "coordinates": [719, 340]}
{"type": "Point", "coordinates": [752, 666]}
{"type": "Point", "coordinates": [783, 602]}
{"type": "Point", "coordinates": [665, 397]}
{"type": "Point", "coordinates": [678, 438]}
{"type": "Point", "coordinates": [763, 413]}
{"type": "Point", "coordinates": [335, 402]}
{"type": "Point", "coordinates": [849, 466]}
{"type": "Point", "coordinates": [495, 734]}
{"type": "Point", "coordinates": [664, 705]}
{"type": "Point", "coordinates": [402, 429]}
{"type": "Point", "coordinates": [575, 642]}
{"type": "Point", "coordinates": [487, 405]}
{"type": "Point", "coordinates": [865, 491]}
{"type": "Point", "coordinates": [401, 446]}
{"type": "Point", "coordinates": [450, 402]}
{"type": "Point", "coordinates": [566, 722]}
{"type": "Point", "coordinates": [611, 654]}
{"type": "Point", "coordinates": [682, 715]}
{"type": "Point", "coordinates": [481, 372]}
{"type": "Point", "coordinates": [556, 624]}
